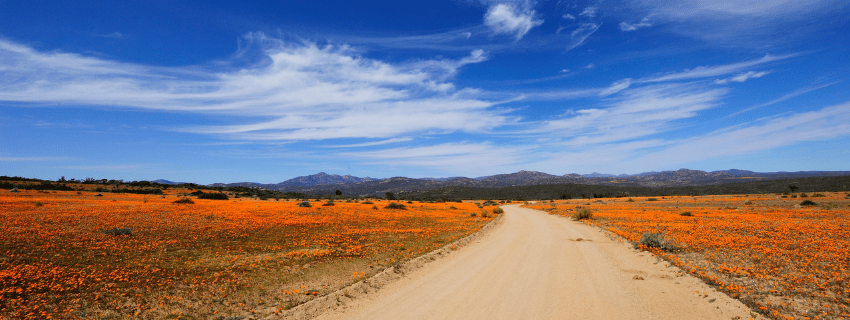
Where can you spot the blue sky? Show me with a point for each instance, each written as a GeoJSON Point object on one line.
{"type": "Point", "coordinates": [217, 91]}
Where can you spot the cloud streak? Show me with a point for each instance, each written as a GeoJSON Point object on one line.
{"type": "Point", "coordinates": [309, 91]}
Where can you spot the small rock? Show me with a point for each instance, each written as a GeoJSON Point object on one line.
{"type": "Point", "coordinates": [637, 278]}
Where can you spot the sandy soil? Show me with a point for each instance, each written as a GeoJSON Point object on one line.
{"type": "Point", "coordinates": [536, 266]}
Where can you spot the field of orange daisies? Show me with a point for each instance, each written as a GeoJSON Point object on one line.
{"type": "Point", "coordinates": [786, 256]}
{"type": "Point", "coordinates": [82, 255]}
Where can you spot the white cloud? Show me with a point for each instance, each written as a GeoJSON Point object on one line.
{"type": "Point", "coordinates": [590, 66]}
{"type": "Point", "coordinates": [632, 27]}
{"type": "Point", "coordinates": [455, 158]}
{"type": "Point", "coordinates": [616, 87]}
{"type": "Point", "coordinates": [742, 77]}
{"type": "Point", "coordinates": [713, 71]}
{"type": "Point", "coordinates": [564, 70]}
{"type": "Point", "coordinates": [637, 114]}
{"type": "Point", "coordinates": [589, 12]}
{"type": "Point", "coordinates": [827, 123]}
{"type": "Point", "coordinates": [718, 9]}
{"type": "Point", "coordinates": [509, 19]}
{"type": "Point", "coordinates": [376, 143]}
{"type": "Point", "coordinates": [568, 16]}
{"type": "Point", "coordinates": [579, 35]}
{"type": "Point", "coordinates": [301, 91]}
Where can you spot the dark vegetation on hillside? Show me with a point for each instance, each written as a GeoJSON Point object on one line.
{"type": "Point", "coordinates": [533, 192]}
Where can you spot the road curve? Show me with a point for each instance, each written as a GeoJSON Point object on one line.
{"type": "Point", "coordinates": [538, 266]}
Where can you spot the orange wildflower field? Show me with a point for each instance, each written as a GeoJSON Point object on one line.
{"type": "Point", "coordinates": [81, 255]}
{"type": "Point", "coordinates": [784, 260]}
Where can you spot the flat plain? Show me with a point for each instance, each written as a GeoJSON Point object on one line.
{"type": "Point", "coordinates": [89, 255]}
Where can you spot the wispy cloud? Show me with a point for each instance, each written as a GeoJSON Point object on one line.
{"type": "Point", "coordinates": [510, 19]}
{"type": "Point", "coordinates": [787, 96]}
{"type": "Point", "coordinates": [115, 35]}
{"type": "Point", "coordinates": [624, 26]}
{"type": "Point", "coordinates": [826, 123]}
{"type": "Point", "coordinates": [453, 158]}
{"type": "Point", "coordinates": [734, 23]}
{"type": "Point", "coordinates": [638, 113]}
{"type": "Point", "coordinates": [589, 12]}
{"type": "Point", "coordinates": [714, 71]}
{"type": "Point", "coordinates": [309, 91]}
{"type": "Point", "coordinates": [579, 35]}
{"type": "Point", "coordinates": [371, 144]}
{"type": "Point", "coordinates": [742, 77]}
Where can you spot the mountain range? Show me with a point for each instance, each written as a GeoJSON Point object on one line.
{"type": "Point", "coordinates": [323, 183]}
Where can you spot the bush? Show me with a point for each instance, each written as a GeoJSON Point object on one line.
{"type": "Point", "coordinates": [803, 195]}
{"type": "Point", "coordinates": [490, 203]}
{"type": "Point", "coordinates": [498, 210]}
{"type": "Point", "coordinates": [630, 200]}
{"type": "Point", "coordinates": [686, 214]}
{"type": "Point", "coordinates": [330, 203]}
{"type": "Point", "coordinates": [484, 214]}
{"type": "Point", "coordinates": [453, 208]}
{"type": "Point", "coordinates": [367, 202]}
{"type": "Point", "coordinates": [184, 201]}
{"type": "Point", "coordinates": [305, 204]}
{"type": "Point", "coordinates": [818, 195]}
{"type": "Point", "coordinates": [655, 240]}
{"type": "Point", "coordinates": [808, 203]}
{"type": "Point", "coordinates": [213, 196]}
{"type": "Point", "coordinates": [474, 214]}
{"type": "Point", "coordinates": [119, 232]}
{"type": "Point", "coordinates": [652, 199]}
{"type": "Point", "coordinates": [582, 214]}
{"type": "Point", "coordinates": [397, 206]}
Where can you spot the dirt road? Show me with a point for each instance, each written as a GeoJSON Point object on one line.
{"type": "Point", "coordinates": [537, 266]}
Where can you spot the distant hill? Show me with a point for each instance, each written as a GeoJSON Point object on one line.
{"type": "Point", "coordinates": [323, 183]}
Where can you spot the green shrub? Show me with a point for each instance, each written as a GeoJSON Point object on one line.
{"type": "Point", "coordinates": [808, 203]}
{"type": "Point", "coordinates": [330, 203]}
{"type": "Point", "coordinates": [818, 195]}
{"type": "Point", "coordinates": [582, 214]}
{"type": "Point", "coordinates": [453, 208]}
{"type": "Point", "coordinates": [630, 200]}
{"type": "Point", "coordinates": [686, 214]}
{"type": "Point", "coordinates": [213, 196]}
{"type": "Point", "coordinates": [184, 201]}
{"type": "Point", "coordinates": [38, 204]}
{"type": "Point", "coordinates": [367, 202]}
{"type": "Point", "coordinates": [474, 214]}
{"type": "Point", "coordinates": [119, 232]}
{"type": "Point", "coordinates": [652, 199]}
{"type": "Point", "coordinates": [498, 210]}
{"type": "Point", "coordinates": [305, 204]}
{"type": "Point", "coordinates": [803, 195]}
{"type": "Point", "coordinates": [655, 240]}
{"type": "Point", "coordinates": [397, 206]}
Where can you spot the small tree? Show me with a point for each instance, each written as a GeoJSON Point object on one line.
{"type": "Point", "coordinates": [792, 187]}
{"type": "Point", "coordinates": [389, 195]}
{"type": "Point", "coordinates": [339, 193]}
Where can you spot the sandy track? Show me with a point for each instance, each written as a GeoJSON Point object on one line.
{"type": "Point", "coordinates": [531, 267]}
